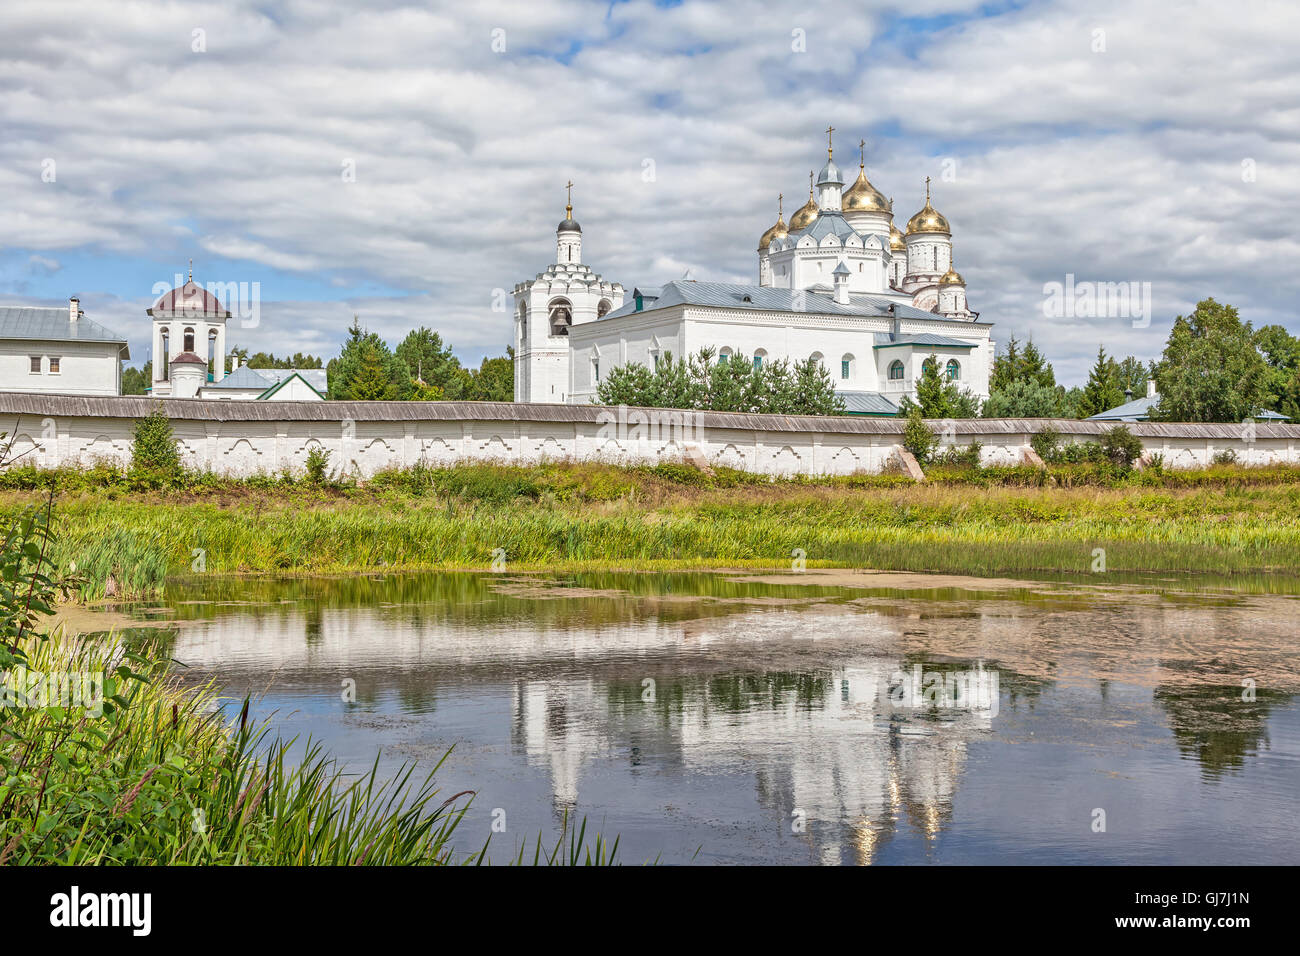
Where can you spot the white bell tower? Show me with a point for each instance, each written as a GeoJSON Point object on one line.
{"type": "Point", "coordinates": [566, 294]}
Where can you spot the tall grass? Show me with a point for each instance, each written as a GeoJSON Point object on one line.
{"type": "Point", "coordinates": [161, 778]}
{"type": "Point", "coordinates": [588, 516]}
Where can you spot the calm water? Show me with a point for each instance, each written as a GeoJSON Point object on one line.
{"type": "Point", "coordinates": [814, 718]}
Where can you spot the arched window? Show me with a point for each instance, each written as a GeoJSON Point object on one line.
{"type": "Point", "coordinates": [896, 371]}
{"type": "Point", "coordinates": [927, 365]}
{"type": "Point", "coordinates": [603, 309]}
{"type": "Point", "coordinates": [188, 341]}
{"type": "Point", "coordinates": [723, 355]}
{"type": "Point", "coordinates": [759, 355]}
{"type": "Point", "coordinates": [818, 358]}
{"type": "Point", "coordinates": [846, 367]}
{"type": "Point", "coordinates": [561, 316]}
{"type": "Point", "coordinates": [523, 321]}
{"type": "Point", "coordinates": [954, 370]}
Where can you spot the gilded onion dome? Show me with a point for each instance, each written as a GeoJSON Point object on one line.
{"type": "Point", "coordinates": [896, 241]}
{"type": "Point", "coordinates": [778, 231]}
{"type": "Point", "coordinates": [951, 277]}
{"type": "Point", "coordinates": [864, 197]}
{"type": "Point", "coordinates": [928, 219]}
{"type": "Point", "coordinates": [806, 213]}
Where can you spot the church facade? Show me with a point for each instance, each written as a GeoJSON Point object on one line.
{"type": "Point", "coordinates": [840, 283]}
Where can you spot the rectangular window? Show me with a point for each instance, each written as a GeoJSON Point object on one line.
{"type": "Point", "coordinates": [844, 368]}
{"type": "Point", "coordinates": [54, 364]}
{"type": "Point", "coordinates": [758, 362]}
{"type": "Point", "coordinates": [35, 365]}
{"type": "Point", "coordinates": [595, 368]}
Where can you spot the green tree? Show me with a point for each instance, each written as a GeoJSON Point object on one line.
{"type": "Point", "coordinates": [1025, 399]}
{"type": "Point", "coordinates": [1281, 352]}
{"type": "Point", "coordinates": [1211, 370]}
{"type": "Point", "coordinates": [367, 370]}
{"type": "Point", "coordinates": [430, 361]}
{"type": "Point", "coordinates": [1102, 392]}
{"type": "Point", "coordinates": [918, 437]}
{"type": "Point", "coordinates": [137, 381]}
{"type": "Point", "coordinates": [727, 384]}
{"type": "Point", "coordinates": [270, 360]}
{"type": "Point", "coordinates": [153, 449]}
{"type": "Point", "coordinates": [492, 381]}
{"type": "Point", "coordinates": [937, 397]}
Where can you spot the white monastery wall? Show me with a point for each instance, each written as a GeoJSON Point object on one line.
{"type": "Point", "coordinates": [247, 438]}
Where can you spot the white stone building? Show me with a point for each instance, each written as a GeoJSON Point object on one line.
{"type": "Point", "coordinates": [59, 350]}
{"type": "Point", "coordinates": [840, 283]}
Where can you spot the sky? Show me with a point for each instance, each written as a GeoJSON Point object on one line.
{"type": "Point", "coordinates": [405, 162]}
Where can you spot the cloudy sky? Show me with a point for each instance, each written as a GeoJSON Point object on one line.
{"type": "Point", "coordinates": [403, 161]}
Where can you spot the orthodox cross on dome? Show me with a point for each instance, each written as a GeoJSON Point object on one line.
{"type": "Point", "coordinates": [927, 190]}
{"type": "Point", "coordinates": [829, 150]}
{"type": "Point", "coordinates": [191, 278]}
{"type": "Point", "coordinates": [862, 154]}
{"type": "Point", "coordinates": [568, 199]}
{"type": "Point", "coordinates": [780, 205]}
{"type": "Point", "coordinates": [810, 184]}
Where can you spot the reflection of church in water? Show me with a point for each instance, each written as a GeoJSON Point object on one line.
{"type": "Point", "coordinates": [833, 754]}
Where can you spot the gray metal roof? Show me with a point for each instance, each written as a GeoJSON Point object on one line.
{"type": "Point", "coordinates": [32, 322]}
{"type": "Point", "coordinates": [830, 174]}
{"type": "Point", "coordinates": [263, 378]}
{"type": "Point", "coordinates": [867, 403]}
{"type": "Point", "coordinates": [1139, 410]}
{"type": "Point", "coordinates": [198, 409]}
{"type": "Point", "coordinates": [765, 299]}
{"type": "Point", "coordinates": [886, 339]}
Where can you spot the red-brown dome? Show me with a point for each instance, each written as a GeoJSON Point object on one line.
{"type": "Point", "coordinates": [191, 299]}
{"type": "Point", "coordinates": [188, 358]}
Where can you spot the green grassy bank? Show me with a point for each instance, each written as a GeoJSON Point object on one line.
{"type": "Point", "coordinates": [127, 539]}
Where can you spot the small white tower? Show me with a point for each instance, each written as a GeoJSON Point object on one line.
{"type": "Point", "coordinates": [777, 231]}
{"type": "Point", "coordinates": [840, 275]}
{"type": "Point", "coordinates": [830, 182]}
{"type": "Point", "coordinates": [952, 295]}
{"type": "Point", "coordinates": [929, 244]}
{"type": "Point", "coordinates": [187, 320]}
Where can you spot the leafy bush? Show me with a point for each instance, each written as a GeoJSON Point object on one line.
{"type": "Point", "coordinates": [318, 462]}
{"type": "Point", "coordinates": [967, 456]}
{"type": "Point", "coordinates": [1046, 444]}
{"type": "Point", "coordinates": [1120, 446]}
{"type": "Point", "coordinates": [1226, 457]}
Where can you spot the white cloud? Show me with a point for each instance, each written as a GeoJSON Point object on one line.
{"type": "Point", "coordinates": [1115, 166]}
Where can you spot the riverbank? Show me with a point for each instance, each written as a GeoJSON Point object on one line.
{"type": "Point", "coordinates": [980, 522]}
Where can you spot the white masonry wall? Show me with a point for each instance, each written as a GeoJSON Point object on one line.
{"type": "Point", "coordinates": [248, 438]}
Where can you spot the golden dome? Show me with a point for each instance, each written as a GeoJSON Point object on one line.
{"type": "Point", "coordinates": [951, 277]}
{"type": "Point", "coordinates": [928, 219]}
{"type": "Point", "coordinates": [862, 196]}
{"type": "Point", "coordinates": [806, 213]}
{"type": "Point", "coordinates": [778, 231]}
{"type": "Point", "coordinates": [896, 242]}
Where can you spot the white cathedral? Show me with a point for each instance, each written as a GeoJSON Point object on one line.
{"type": "Point", "coordinates": [840, 283]}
